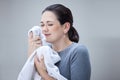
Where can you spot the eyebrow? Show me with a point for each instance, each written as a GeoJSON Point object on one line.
{"type": "Point", "coordinates": [47, 21]}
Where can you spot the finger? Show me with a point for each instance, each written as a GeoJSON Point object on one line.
{"type": "Point", "coordinates": [42, 62]}
{"type": "Point", "coordinates": [38, 41]}
{"type": "Point", "coordinates": [37, 64]}
{"type": "Point", "coordinates": [36, 61]}
{"type": "Point", "coordinates": [42, 59]}
{"type": "Point", "coordinates": [31, 35]}
{"type": "Point", "coordinates": [37, 38]}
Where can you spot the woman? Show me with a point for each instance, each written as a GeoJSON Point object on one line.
{"type": "Point", "coordinates": [57, 26]}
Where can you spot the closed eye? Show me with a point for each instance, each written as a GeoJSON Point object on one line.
{"type": "Point", "coordinates": [42, 25]}
{"type": "Point", "coordinates": [50, 24]}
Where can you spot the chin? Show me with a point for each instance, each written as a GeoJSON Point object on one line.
{"type": "Point", "coordinates": [49, 41]}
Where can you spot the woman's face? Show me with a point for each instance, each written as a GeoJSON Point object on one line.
{"type": "Point", "coordinates": [51, 27]}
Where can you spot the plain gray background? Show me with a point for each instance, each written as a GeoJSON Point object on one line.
{"type": "Point", "coordinates": [97, 22]}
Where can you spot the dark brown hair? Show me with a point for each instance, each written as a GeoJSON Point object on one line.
{"type": "Point", "coordinates": [64, 15]}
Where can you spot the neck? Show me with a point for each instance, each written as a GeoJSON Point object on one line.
{"type": "Point", "coordinates": [61, 45]}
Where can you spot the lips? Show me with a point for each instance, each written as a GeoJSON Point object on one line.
{"type": "Point", "coordinates": [47, 35]}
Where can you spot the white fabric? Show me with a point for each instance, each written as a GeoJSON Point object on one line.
{"type": "Point", "coordinates": [28, 71]}
{"type": "Point", "coordinates": [37, 32]}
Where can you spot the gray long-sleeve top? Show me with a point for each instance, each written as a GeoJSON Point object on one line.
{"type": "Point", "coordinates": [75, 64]}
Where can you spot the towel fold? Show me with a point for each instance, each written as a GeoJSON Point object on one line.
{"type": "Point", "coordinates": [51, 57]}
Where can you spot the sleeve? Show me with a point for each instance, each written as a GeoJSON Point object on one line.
{"type": "Point", "coordinates": [80, 65]}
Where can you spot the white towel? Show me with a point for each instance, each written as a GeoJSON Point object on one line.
{"type": "Point", "coordinates": [38, 32]}
{"type": "Point", "coordinates": [28, 71]}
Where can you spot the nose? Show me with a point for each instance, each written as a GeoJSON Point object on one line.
{"type": "Point", "coordinates": [44, 29]}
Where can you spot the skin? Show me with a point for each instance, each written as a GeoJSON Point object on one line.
{"type": "Point", "coordinates": [55, 33]}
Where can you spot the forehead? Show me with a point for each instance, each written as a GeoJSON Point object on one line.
{"type": "Point", "coordinates": [48, 16]}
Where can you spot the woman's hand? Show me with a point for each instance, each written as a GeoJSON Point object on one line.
{"type": "Point", "coordinates": [33, 43]}
{"type": "Point", "coordinates": [40, 67]}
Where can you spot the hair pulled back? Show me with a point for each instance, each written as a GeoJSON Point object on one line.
{"type": "Point", "coordinates": [64, 15]}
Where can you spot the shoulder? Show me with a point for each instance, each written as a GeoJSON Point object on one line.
{"type": "Point", "coordinates": [79, 50]}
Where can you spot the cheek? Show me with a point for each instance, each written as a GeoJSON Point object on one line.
{"type": "Point", "coordinates": [58, 33]}
{"type": "Point", "coordinates": [57, 30]}
{"type": "Point", "coordinates": [56, 27]}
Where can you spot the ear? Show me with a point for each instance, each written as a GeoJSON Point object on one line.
{"type": "Point", "coordinates": [66, 27]}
